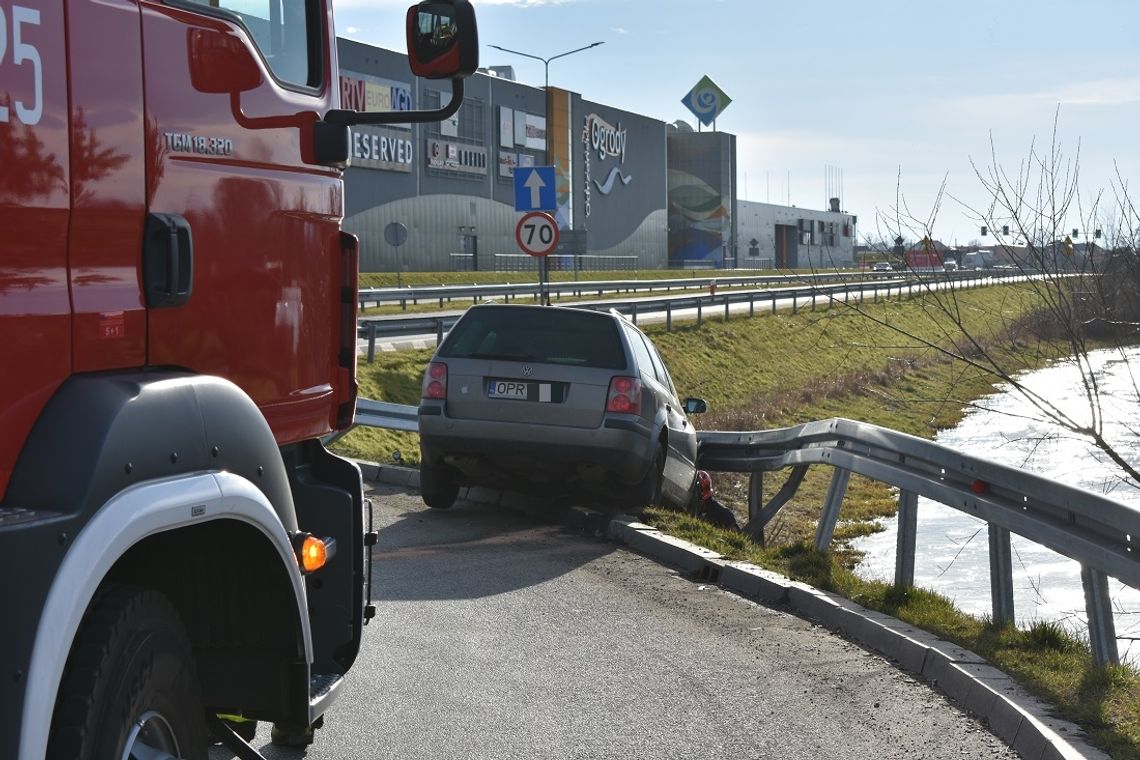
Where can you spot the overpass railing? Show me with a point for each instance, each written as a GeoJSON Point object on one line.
{"type": "Point", "coordinates": [1101, 534]}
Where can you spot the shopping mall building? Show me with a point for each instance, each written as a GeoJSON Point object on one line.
{"type": "Point", "coordinates": [632, 192]}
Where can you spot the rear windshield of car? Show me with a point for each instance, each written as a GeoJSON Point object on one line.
{"type": "Point", "coordinates": [550, 335]}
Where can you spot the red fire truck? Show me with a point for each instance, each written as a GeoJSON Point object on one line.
{"type": "Point", "coordinates": [177, 334]}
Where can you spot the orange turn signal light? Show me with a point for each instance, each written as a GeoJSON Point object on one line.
{"type": "Point", "coordinates": [312, 553]}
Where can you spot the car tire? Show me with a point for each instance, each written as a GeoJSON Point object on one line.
{"type": "Point", "coordinates": [437, 487]}
{"type": "Point", "coordinates": [693, 503]}
{"type": "Point", "coordinates": [647, 491]}
{"type": "Point", "coordinates": [129, 683]}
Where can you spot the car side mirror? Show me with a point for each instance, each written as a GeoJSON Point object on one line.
{"type": "Point", "coordinates": [695, 406]}
{"type": "Point", "coordinates": [443, 41]}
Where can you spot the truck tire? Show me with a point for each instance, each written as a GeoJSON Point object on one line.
{"type": "Point", "coordinates": [129, 683]}
{"type": "Point", "coordinates": [437, 488]}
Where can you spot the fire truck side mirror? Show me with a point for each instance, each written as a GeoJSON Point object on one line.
{"type": "Point", "coordinates": [443, 40]}
{"type": "Point", "coordinates": [221, 63]}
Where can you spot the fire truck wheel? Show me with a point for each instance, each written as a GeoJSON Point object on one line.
{"type": "Point", "coordinates": [437, 488]}
{"type": "Point", "coordinates": [129, 688]}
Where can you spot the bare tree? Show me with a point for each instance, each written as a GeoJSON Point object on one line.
{"type": "Point", "coordinates": [1077, 252]}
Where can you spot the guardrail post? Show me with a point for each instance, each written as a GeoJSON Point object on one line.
{"type": "Point", "coordinates": [633, 310]}
{"type": "Point", "coordinates": [904, 545]}
{"type": "Point", "coordinates": [756, 500]}
{"type": "Point", "coordinates": [813, 293]}
{"type": "Point", "coordinates": [1001, 575]}
{"type": "Point", "coordinates": [826, 528]}
{"type": "Point", "coordinates": [1102, 627]}
{"type": "Point", "coordinates": [773, 303]}
{"type": "Point", "coordinates": [699, 302]}
{"type": "Point", "coordinates": [371, 342]}
{"type": "Point", "coordinates": [795, 303]}
{"type": "Point", "coordinates": [726, 308]}
{"type": "Point", "coordinates": [668, 316]}
{"type": "Point", "coordinates": [438, 331]}
{"type": "Point", "coordinates": [751, 305]}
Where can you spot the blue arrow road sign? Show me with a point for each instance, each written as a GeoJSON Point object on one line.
{"type": "Point", "coordinates": [535, 189]}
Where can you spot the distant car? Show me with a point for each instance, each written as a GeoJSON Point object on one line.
{"type": "Point", "coordinates": [882, 266]}
{"type": "Point", "coordinates": [554, 399]}
{"type": "Point", "coordinates": [950, 265]}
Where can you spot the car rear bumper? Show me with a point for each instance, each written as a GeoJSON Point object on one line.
{"type": "Point", "coordinates": [622, 448]}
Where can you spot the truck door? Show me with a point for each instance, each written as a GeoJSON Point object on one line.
{"type": "Point", "coordinates": [242, 245]}
{"type": "Point", "coordinates": [35, 312]}
{"type": "Point", "coordinates": [108, 184]}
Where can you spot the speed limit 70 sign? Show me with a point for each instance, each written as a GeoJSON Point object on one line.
{"type": "Point", "coordinates": [537, 233]}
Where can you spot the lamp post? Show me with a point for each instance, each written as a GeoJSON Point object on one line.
{"type": "Point", "coordinates": [546, 61]}
{"type": "Point", "coordinates": [545, 297]}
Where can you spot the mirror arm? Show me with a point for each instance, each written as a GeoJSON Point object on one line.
{"type": "Point", "coordinates": [341, 117]}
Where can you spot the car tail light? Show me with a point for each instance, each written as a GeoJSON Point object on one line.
{"type": "Point", "coordinates": [624, 396]}
{"type": "Point", "coordinates": [435, 381]}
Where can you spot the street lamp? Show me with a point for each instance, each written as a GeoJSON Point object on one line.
{"type": "Point", "coordinates": [546, 61]}
{"type": "Point", "coordinates": [545, 296]}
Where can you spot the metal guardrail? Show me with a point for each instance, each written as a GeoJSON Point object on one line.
{"type": "Point", "coordinates": [580, 288]}
{"type": "Point", "coordinates": [1101, 534]}
{"type": "Point", "coordinates": [374, 328]}
{"type": "Point", "coordinates": [384, 414]}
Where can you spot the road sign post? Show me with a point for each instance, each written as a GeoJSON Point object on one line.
{"type": "Point", "coordinates": [537, 235]}
{"type": "Point", "coordinates": [396, 234]}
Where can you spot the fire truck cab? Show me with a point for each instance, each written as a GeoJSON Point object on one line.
{"type": "Point", "coordinates": [177, 334]}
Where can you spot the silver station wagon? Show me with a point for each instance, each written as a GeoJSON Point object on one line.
{"type": "Point", "coordinates": [555, 400]}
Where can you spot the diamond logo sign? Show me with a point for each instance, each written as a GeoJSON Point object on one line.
{"type": "Point", "coordinates": [706, 101]}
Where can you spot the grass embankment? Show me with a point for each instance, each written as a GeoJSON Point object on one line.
{"type": "Point", "coordinates": [780, 370]}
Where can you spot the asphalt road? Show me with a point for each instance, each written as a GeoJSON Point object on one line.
{"type": "Point", "coordinates": [506, 635]}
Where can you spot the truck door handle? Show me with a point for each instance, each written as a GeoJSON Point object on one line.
{"type": "Point", "coordinates": [168, 261]}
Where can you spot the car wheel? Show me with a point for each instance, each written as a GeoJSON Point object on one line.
{"type": "Point", "coordinates": [129, 687]}
{"type": "Point", "coordinates": [693, 503]}
{"type": "Point", "coordinates": [647, 491]}
{"type": "Point", "coordinates": [437, 487]}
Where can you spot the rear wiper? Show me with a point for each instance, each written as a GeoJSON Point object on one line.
{"type": "Point", "coordinates": [504, 357]}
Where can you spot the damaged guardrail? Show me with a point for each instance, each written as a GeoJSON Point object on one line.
{"type": "Point", "coordinates": [1099, 533]}
{"type": "Point", "coordinates": [1102, 534]}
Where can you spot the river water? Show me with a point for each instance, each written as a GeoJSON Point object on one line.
{"type": "Point", "coordinates": [952, 549]}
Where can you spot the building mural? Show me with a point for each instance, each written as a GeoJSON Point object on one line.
{"type": "Point", "coordinates": [702, 172]}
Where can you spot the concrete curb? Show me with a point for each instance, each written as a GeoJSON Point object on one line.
{"type": "Point", "coordinates": [1010, 712]}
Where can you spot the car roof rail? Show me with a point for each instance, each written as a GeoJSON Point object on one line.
{"type": "Point", "coordinates": [619, 315]}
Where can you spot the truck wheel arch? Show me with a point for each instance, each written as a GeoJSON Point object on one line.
{"type": "Point", "coordinates": [143, 513]}
{"type": "Point", "coordinates": [147, 453]}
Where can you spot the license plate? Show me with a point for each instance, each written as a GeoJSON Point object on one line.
{"type": "Point", "coordinates": [507, 389]}
{"type": "Point", "coordinates": [519, 391]}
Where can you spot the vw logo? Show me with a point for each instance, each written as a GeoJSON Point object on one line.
{"type": "Point", "coordinates": [527, 371]}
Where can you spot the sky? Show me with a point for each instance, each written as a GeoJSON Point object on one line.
{"type": "Point", "coordinates": [895, 106]}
